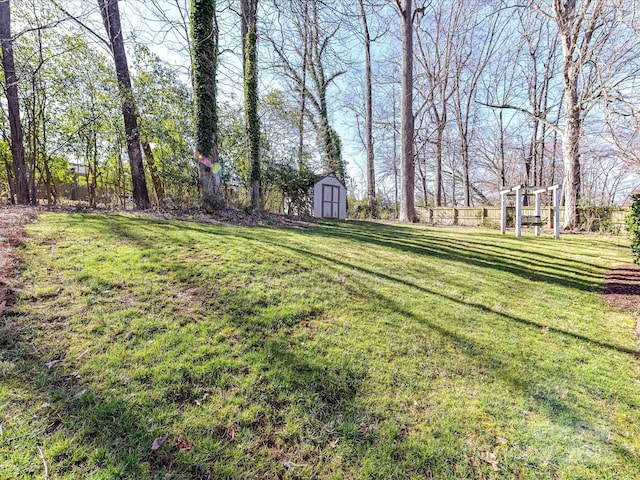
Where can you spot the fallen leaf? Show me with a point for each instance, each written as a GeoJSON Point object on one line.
{"type": "Point", "coordinates": [3, 305]}
{"type": "Point", "coordinates": [290, 464]}
{"type": "Point", "coordinates": [230, 434]}
{"type": "Point", "coordinates": [81, 393]}
{"type": "Point", "coordinates": [334, 443]}
{"type": "Point", "coordinates": [369, 428]}
{"type": "Point", "coordinates": [50, 364]}
{"type": "Point", "coordinates": [157, 443]}
{"type": "Point", "coordinates": [128, 336]}
{"type": "Point", "coordinates": [492, 459]}
{"type": "Point", "coordinates": [184, 444]}
{"type": "Point", "coordinates": [83, 354]}
{"type": "Point", "coordinates": [473, 463]}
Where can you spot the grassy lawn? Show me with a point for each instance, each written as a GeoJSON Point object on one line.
{"type": "Point", "coordinates": [343, 351]}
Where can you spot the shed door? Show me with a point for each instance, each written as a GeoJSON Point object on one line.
{"type": "Point", "coordinates": [330, 201]}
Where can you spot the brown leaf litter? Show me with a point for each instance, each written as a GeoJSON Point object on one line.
{"type": "Point", "coordinates": [12, 235]}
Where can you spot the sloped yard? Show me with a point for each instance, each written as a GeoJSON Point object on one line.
{"type": "Point", "coordinates": [342, 350]}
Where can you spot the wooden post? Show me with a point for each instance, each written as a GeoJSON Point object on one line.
{"type": "Point", "coordinates": [538, 213]}
{"type": "Point", "coordinates": [556, 211]}
{"type": "Point", "coordinates": [503, 210]}
{"type": "Point", "coordinates": [518, 190]}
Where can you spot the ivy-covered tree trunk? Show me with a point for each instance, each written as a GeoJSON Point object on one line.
{"type": "Point", "coordinates": [248, 20]}
{"type": "Point", "coordinates": [111, 19]}
{"type": "Point", "coordinates": [11, 81]}
{"type": "Point", "coordinates": [329, 138]}
{"type": "Point", "coordinates": [204, 29]}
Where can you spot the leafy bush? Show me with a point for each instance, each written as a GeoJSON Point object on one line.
{"type": "Point", "coordinates": [359, 209]}
{"type": "Point", "coordinates": [596, 218]}
{"type": "Point", "coordinates": [633, 223]}
{"type": "Point", "coordinates": [295, 187]}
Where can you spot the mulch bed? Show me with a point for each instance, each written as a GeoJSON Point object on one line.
{"type": "Point", "coordinates": [622, 287]}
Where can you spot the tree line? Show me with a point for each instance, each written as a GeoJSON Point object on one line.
{"type": "Point", "coordinates": [444, 102]}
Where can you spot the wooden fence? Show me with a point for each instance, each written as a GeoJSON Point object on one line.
{"type": "Point", "coordinates": [611, 220]}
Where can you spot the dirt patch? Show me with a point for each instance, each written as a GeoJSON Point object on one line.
{"type": "Point", "coordinates": [622, 287]}
{"type": "Point", "coordinates": [12, 222]}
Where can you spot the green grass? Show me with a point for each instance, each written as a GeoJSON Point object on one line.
{"type": "Point", "coordinates": [350, 350]}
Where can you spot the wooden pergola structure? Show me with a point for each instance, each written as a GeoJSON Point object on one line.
{"type": "Point", "coordinates": [531, 220]}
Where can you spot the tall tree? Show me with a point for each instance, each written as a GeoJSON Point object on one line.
{"type": "Point", "coordinates": [477, 45]}
{"type": "Point", "coordinates": [111, 19]}
{"type": "Point", "coordinates": [11, 82]}
{"type": "Point", "coordinates": [249, 28]}
{"type": "Point", "coordinates": [310, 43]}
{"type": "Point", "coordinates": [368, 102]}
{"type": "Point", "coordinates": [204, 29]}
{"type": "Point", "coordinates": [407, 162]}
{"type": "Point", "coordinates": [438, 46]}
{"type": "Point", "coordinates": [599, 53]}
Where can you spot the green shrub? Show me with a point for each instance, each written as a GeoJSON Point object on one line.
{"type": "Point", "coordinates": [595, 218]}
{"type": "Point", "coordinates": [633, 223]}
{"type": "Point", "coordinates": [358, 209]}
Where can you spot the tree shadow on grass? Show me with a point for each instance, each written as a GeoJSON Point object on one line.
{"type": "Point", "coordinates": [429, 245]}
{"type": "Point", "coordinates": [99, 432]}
{"type": "Point", "coordinates": [103, 431]}
{"type": "Point", "coordinates": [86, 428]}
{"type": "Point", "coordinates": [458, 301]}
{"type": "Point", "coordinates": [512, 258]}
{"type": "Point", "coordinates": [299, 379]}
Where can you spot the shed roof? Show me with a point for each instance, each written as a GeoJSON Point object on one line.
{"type": "Point", "coordinates": [330, 174]}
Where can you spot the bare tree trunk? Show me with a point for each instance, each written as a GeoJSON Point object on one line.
{"type": "Point", "coordinates": [303, 85]}
{"type": "Point", "coordinates": [111, 19]}
{"type": "Point", "coordinates": [438, 166]}
{"type": "Point", "coordinates": [407, 206]}
{"type": "Point", "coordinates": [368, 102]}
{"type": "Point", "coordinates": [9, 170]}
{"type": "Point", "coordinates": [11, 81]}
{"type": "Point", "coordinates": [331, 144]}
{"type": "Point", "coordinates": [153, 170]}
{"type": "Point", "coordinates": [576, 27]}
{"type": "Point", "coordinates": [503, 178]}
{"type": "Point", "coordinates": [571, 154]}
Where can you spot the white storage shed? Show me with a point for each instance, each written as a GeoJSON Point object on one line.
{"type": "Point", "coordinates": [330, 198]}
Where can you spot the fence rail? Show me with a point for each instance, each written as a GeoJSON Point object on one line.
{"type": "Point", "coordinates": [597, 219]}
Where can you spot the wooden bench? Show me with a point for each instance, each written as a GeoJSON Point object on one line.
{"type": "Point", "coordinates": [532, 220]}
